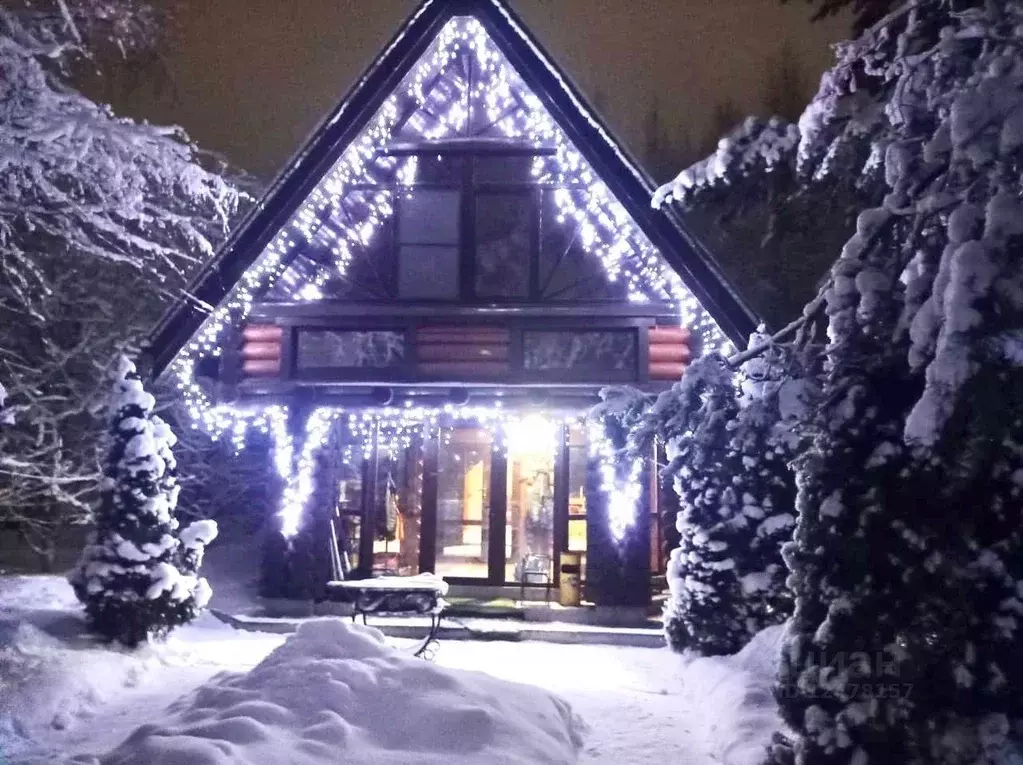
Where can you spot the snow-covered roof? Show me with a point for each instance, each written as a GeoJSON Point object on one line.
{"type": "Point", "coordinates": [347, 122]}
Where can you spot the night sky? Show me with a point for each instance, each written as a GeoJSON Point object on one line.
{"type": "Point", "coordinates": [253, 77]}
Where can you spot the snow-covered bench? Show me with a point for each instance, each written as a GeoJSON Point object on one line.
{"type": "Point", "coordinates": [395, 596]}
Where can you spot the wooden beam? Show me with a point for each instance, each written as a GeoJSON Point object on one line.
{"type": "Point", "coordinates": [428, 525]}
{"type": "Point", "coordinates": [455, 313]}
{"type": "Point", "coordinates": [498, 515]}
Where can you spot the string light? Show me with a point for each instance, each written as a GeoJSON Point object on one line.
{"type": "Point", "coordinates": [393, 429]}
{"type": "Point", "coordinates": [582, 199]}
{"type": "Point", "coordinates": [623, 496]}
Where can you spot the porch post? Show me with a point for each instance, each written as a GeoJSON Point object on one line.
{"type": "Point", "coordinates": [560, 501]}
{"type": "Point", "coordinates": [370, 477]}
{"type": "Point", "coordinates": [298, 568]}
{"type": "Point", "coordinates": [617, 571]}
{"type": "Point", "coordinates": [428, 524]}
{"type": "Point", "coordinates": [497, 521]}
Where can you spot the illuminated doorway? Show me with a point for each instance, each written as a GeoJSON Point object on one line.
{"type": "Point", "coordinates": [530, 502]}
{"type": "Point", "coordinates": [464, 456]}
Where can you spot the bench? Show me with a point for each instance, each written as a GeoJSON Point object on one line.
{"type": "Point", "coordinates": [395, 596]}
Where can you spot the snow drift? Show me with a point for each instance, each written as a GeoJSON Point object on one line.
{"type": "Point", "coordinates": [733, 706]}
{"type": "Point", "coordinates": [335, 692]}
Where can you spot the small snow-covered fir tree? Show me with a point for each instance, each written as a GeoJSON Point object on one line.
{"type": "Point", "coordinates": [907, 562]}
{"type": "Point", "coordinates": [729, 440]}
{"type": "Point", "coordinates": [134, 578]}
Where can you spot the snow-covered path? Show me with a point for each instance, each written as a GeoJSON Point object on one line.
{"type": "Point", "coordinates": [639, 703]}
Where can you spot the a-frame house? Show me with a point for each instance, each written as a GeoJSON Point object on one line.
{"type": "Point", "coordinates": [425, 305]}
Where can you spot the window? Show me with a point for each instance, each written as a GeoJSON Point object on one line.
{"type": "Point", "coordinates": [504, 240]}
{"type": "Point", "coordinates": [463, 502]}
{"type": "Point", "coordinates": [610, 351]}
{"type": "Point", "coordinates": [328, 348]}
{"type": "Point", "coordinates": [428, 244]}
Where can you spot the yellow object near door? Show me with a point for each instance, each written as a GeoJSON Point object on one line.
{"type": "Point", "coordinates": [570, 587]}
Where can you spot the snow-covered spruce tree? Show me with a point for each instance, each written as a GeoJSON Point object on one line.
{"type": "Point", "coordinates": [196, 536]}
{"type": "Point", "coordinates": [746, 201]}
{"type": "Point", "coordinates": [134, 578]}
{"type": "Point", "coordinates": [907, 562]}
{"type": "Point", "coordinates": [729, 438]}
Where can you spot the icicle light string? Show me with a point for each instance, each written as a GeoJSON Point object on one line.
{"type": "Point", "coordinates": [605, 228]}
{"type": "Point", "coordinates": [394, 429]}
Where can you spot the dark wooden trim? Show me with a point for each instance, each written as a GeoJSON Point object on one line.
{"type": "Point", "coordinates": [482, 311]}
{"type": "Point", "coordinates": [532, 323]}
{"type": "Point", "coordinates": [493, 147]}
{"type": "Point", "coordinates": [467, 238]}
{"type": "Point", "coordinates": [467, 581]}
{"type": "Point", "coordinates": [498, 515]}
{"type": "Point", "coordinates": [643, 357]}
{"type": "Point", "coordinates": [428, 521]}
{"type": "Point", "coordinates": [267, 393]}
{"type": "Point", "coordinates": [288, 353]}
{"type": "Point", "coordinates": [561, 497]}
{"type": "Point", "coordinates": [535, 243]}
{"type": "Point", "coordinates": [370, 474]}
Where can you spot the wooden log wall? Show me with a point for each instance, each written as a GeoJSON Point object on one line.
{"type": "Point", "coordinates": [261, 350]}
{"type": "Point", "coordinates": [470, 353]}
{"type": "Point", "coordinates": [670, 352]}
{"type": "Point", "coordinates": [464, 353]}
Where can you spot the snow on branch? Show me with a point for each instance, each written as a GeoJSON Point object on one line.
{"type": "Point", "coordinates": [756, 146]}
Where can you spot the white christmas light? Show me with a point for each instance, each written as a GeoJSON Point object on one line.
{"type": "Point", "coordinates": [605, 228]}
{"type": "Point", "coordinates": [623, 496]}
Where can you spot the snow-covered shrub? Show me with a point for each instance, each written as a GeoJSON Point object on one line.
{"type": "Point", "coordinates": [729, 438]}
{"type": "Point", "coordinates": [907, 562]}
{"type": "Point", "coordinates": [135, 577]}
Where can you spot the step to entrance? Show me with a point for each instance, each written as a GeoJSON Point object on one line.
{"type": "Point", "coordinates": [458, 628]}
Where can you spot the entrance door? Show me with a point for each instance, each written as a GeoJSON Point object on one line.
{"type": "Point", "coordinates": [464, 457]}
{"type": "Point", "coordinates": [490, 509]}
{"type": "Point", "coordinates": [530, 507]}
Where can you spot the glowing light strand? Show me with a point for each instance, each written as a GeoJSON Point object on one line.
{"type": "Point", "coordinates": [394, 428]}
{"type": "Point", "coordinates": [605, 228]}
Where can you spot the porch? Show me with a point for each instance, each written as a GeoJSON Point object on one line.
{"type": "Point", "coordinates": [495, 509]}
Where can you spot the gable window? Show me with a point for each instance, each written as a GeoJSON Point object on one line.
{"type": "Point", "coordinates": [504, 244]}
{"type": "Point", "coordinates": [467, 226]}
{"type": "Point", "coordinates": [474, 221]}
{"type": "Point", "coordinates": [429, 244]}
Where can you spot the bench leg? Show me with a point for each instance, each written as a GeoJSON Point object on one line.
{"type": "Point", "coordinates": [431, 637]}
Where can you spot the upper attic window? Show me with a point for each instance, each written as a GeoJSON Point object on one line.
{"type": "Point", "coordinates": [468, 220]}
{"type": "Point", "coordinates": [467, 225]}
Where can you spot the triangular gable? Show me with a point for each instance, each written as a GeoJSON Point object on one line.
{"type": "Point", "coordinates": [628, 237]}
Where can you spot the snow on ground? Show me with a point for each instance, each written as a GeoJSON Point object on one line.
{"type": "Point", "coordinates": [61, 692]}
{"type": "Point", "coordinates": [62, 695]}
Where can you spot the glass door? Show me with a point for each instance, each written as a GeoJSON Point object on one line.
{"type": "Point", "coordinates": [529, 509]}
{"type": "Point", "coordinates": [463, 502]}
